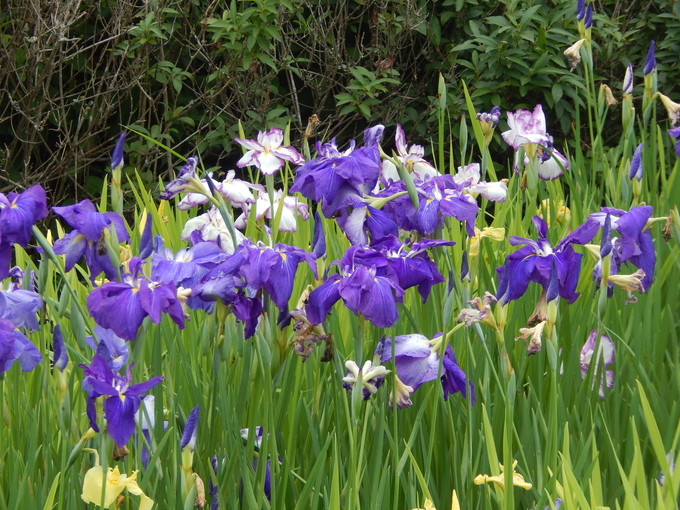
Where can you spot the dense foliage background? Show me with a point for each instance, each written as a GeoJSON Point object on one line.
{"type": "Point", "coordinates": [74, 72]}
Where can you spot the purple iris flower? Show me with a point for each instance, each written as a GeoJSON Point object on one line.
{"type": "Point", "coordinates": [122, 306]}
{"type": "Point", "coordinates": [540, 262]}
{"type": "Point", "coordinates": [20, 307]}
{"type": "Point", "coordinates": [441, 196]}
{"type": "Point", "coordinates": [580, 10]}
{"type": "Point", "coordinates": [111, 347]}
{"type": "Point", "coordinates": [190, 430]}
{"type": "Point", "coordinates": [417, 360]}
{"type": "Point", "coordinates": [321, 178]}
{"type": "Point", "coordinates": [187, 266]}
{"type": "Point", "coordinates": [650, 60]}
{"type": "Point", "coordinates": [636, 163]}
{"type": "Point", "coordinates": [411, 266]}
{"type": "Point", "coordinates": [15, 346]}
{"type": "Point", "coordinates": [59, 349]}
{"type": "Point", "coordinates": [675, 133]}
{"type": "Point", "coordinates": [121, 402]}
{"type": "Point", "coordinates": [588, 20]}
{"type": "Point", "coordinates": [87, 237]}
{"type": "Point", "coordinates": [18, 213]}
{"type": "Point", "coordinates": [319, 237]}
{"type": "Point", "coordinates": [117, 156]}
{"type": "Point", "coordinates": [635, 244]}
{"type": "Point", "coordinates": [273, 269]}
{"type": "Point", "coordinates": [361, 287]}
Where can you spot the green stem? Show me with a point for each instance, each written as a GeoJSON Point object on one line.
{"type": "Point", "coordinates": [47, 248]}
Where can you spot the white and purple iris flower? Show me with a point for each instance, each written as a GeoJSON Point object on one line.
{"type": "Point", "coordinates": [236, 191]}
{"type": "Point", "coordinates": [556, 269]}
{"type": "Point", "coordinates": [292, 208]}
{"type": "Point", "coordinates": [605, 354]}
{"type": "Point", "coordinates": [122, 399]}
{"type": "Point", "coordinates": [411, 157]}
{"type": "Point", "coordinates": [267, 153]}
{"type": "Point", "coordinates": [417, 360]}
{"type": "Point", "coordinates": [122, 306]}
{"type": "Point", "coordinates": [528, 130]}
{"type": "Point", "coordinates": [186, 181]}
{"type": "Point", "coordinates": [87, 237]}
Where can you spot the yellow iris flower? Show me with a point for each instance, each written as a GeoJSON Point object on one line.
{"type": "Point", "coordinates": [115, 484]}
{"type": "Point", "coordinates": [455, 505]}
{"type": "Point", "coordinates": [517, 479]}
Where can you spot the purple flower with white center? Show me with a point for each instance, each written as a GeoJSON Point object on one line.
{"type": "Point", "coordinates": [185, 182]}
{"type": "Point", "coordinates": [118, 152]}
{"type": "Point", "coordinates": [412, 266]}
{"type": "Point", "coordinates": [441, 196]}
{"type": "Point", "coordinates": [417, 360]}
{"type": "Point", "coordinates": [122, 400]}
{"type": "Point", "coordinates": [187, 266]}
{"type": "Point", "coordinates": [60, 358]}
{"type": "Point", "coordinates": [190, 431]}
{"type": "Point", "coordinates": [650, 60]}
{"type": "Point", "coordinates": [267, 153]}
{"type": "Point", "coordinates": [628, 81]}
{"type": "Point", "coordinates": [111, 347]}
{"type": "Point", "coordinates": [538, 260]}
{"type": "Point", "coordinates": [273, 269]}
{"type": "Point", "coordinates": [371, 377]}
{"type": "Point", "coordinates": [675, 133]}
{"type": "Point", "coordinates": [605, 354]}
{"type": "Point", "coordinates": [361, 288]}
{"type": "Point", "coordinates": [322, 177]}
{"type": "Point", "coordinates": [20, 307]}
{"type": "Point", "coordinates": [18, 213]}
{"type": "Point", "coordinates": [363, 220]}
{"type": "Point", "coordinates": [635, 244]}
{"type": "Point", "coordinates": [15, 346]}
{"type": "Point", "coordinates": [411, 158]}
{"type": "Point", "coordinates": [210, 226]}
{"type": "Point", "coordinates": [636, 164]}
{"type": "Point", "coordinates": [87, 237]}
{"type": "Point", "coordinates": [122, 306]}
